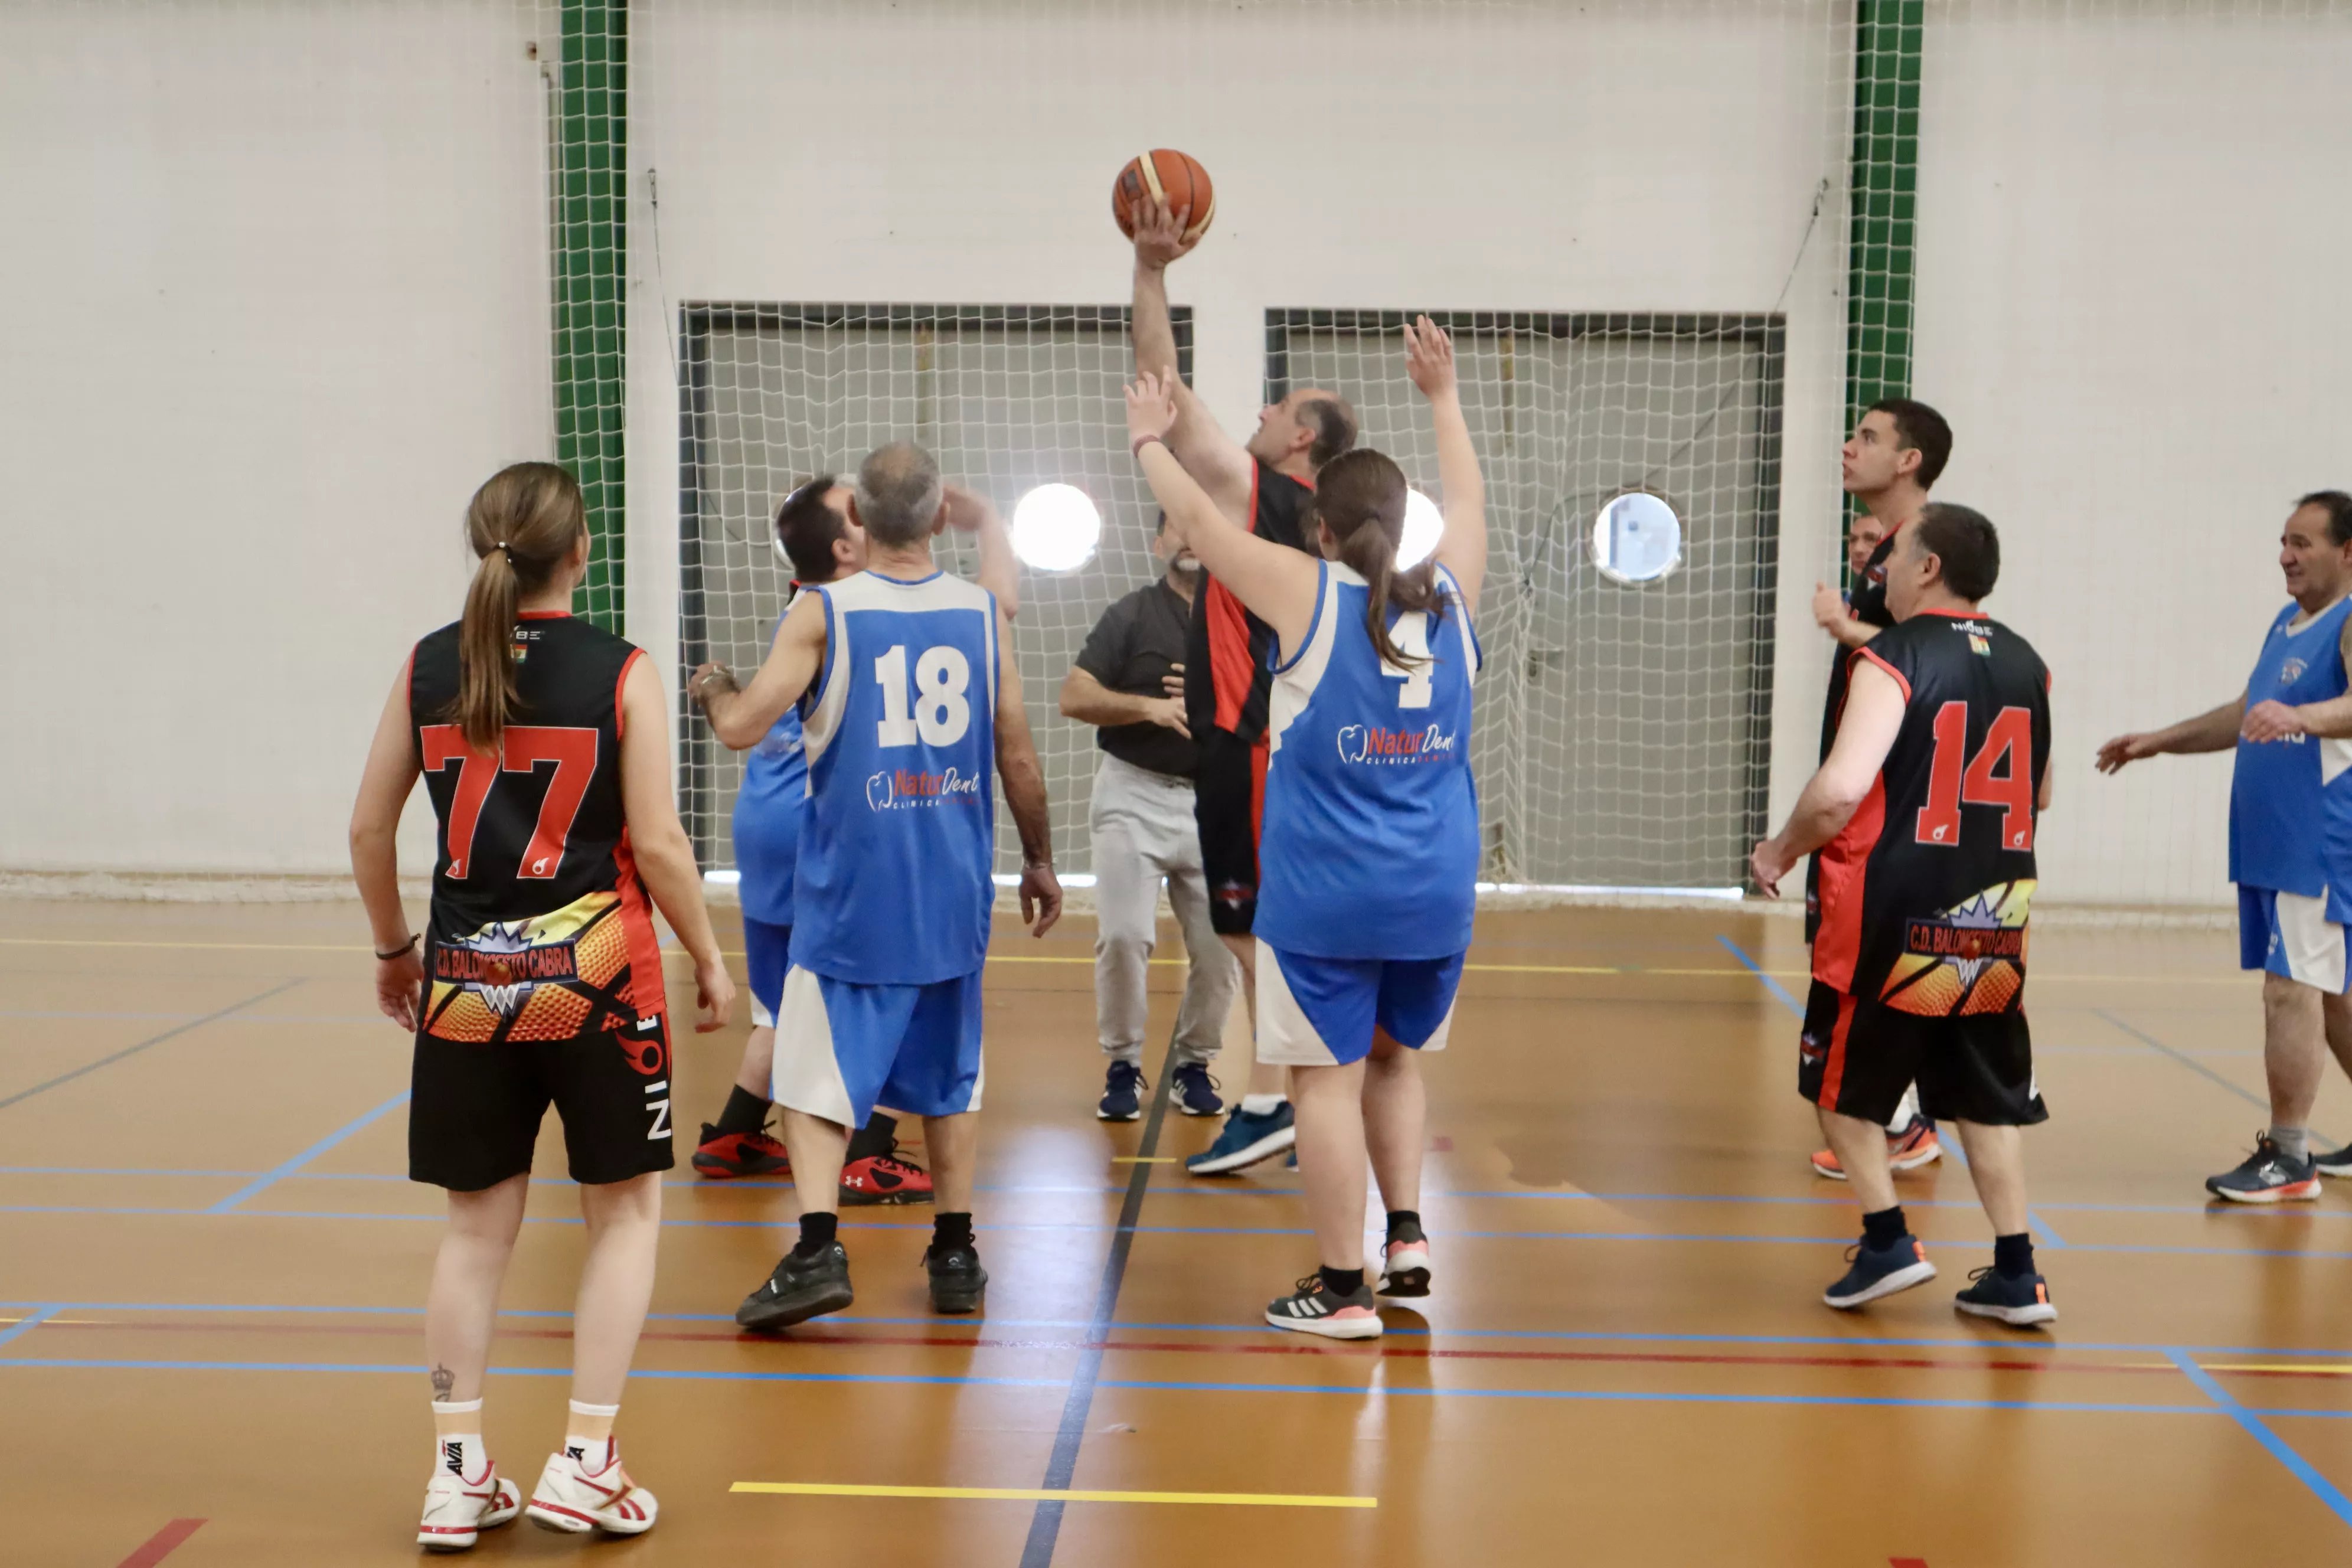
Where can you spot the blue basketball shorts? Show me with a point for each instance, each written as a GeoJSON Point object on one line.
{"type": "Point", "coordinates": [2292, 936]}
{"type": "Point", "coordinates": [842, 1047]}
{"type": "Point", "coordinates": [767, 953]}
{"type": "Point", "coordinates": [1321, 1012]}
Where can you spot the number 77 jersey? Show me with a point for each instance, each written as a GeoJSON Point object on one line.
{"type": "Point", "coordinates": [1925, 894]}
{"type": "Point", "coordinates": [892, 885]}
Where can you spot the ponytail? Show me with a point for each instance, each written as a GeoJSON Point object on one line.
{"type": "Point", "coordinates": [522, 523]}
{"type": "Point", "coordinates": [1359, 496]}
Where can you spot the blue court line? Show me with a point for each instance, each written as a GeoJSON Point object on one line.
{"type": "Point", "coordinates": [1758, 969]}
{"type": "Point", "coordinates": [2280, 1449]}
{"type": "Point", "coordinates": [40, 1315]}
{"type": "Point", "coordinates": [2200, 1070]}
{"type": "Point", "coordinates": [2043, 1235]}
{"type": "Point", "coordinates": [88, 1068]}
{"type": "Point", "coordinates": [269, 1179]}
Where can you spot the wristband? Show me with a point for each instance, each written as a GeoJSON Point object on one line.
{"type": "Point", "coordinates": [1135, 447]}
{"type": "Point", "coordinates": [401, 952]}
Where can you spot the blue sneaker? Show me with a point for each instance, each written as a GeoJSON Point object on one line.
{"type": "Point", "coordinates": [1122, 1098]}
{"type": "Point", "coordinates": [1876, 1273]}
{"type": "Point", "coordinates": [1196, 1091]}
{"type": "Point", "coordinates": [1244, 1140]}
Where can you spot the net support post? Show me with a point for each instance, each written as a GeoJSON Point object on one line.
{"type": "Point", "coordinates": [1883, 182]}
{"type": "Point", "coordinates": [588, 170]}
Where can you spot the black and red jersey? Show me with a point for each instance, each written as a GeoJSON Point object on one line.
{"type": "Point", "coordinates": [541, 928]}
{"type": "Point", "coordinates": [1925, 894]}
{"type": "Point", "coordinates": [1225, 676]}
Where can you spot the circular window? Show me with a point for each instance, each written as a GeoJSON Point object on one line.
{"type": "Point", "coordinates": [1056, 528]}
{"type": "Point", "coordinates": [1636, 537]}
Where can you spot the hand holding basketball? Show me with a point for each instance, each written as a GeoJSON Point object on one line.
{"type": "Point", "coordinates": [1159, 237]}
{"type": "Point", "coordinates": [1151, 407]}
{"type": "Point", "coordinates": [1429, 359]}
{"type": "Point", "coordinates": [1163, 201]}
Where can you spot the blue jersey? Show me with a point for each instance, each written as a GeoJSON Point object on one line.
{"type": "Point", "coordinates": [2291, 799]}
{"type": "Point", "coordinates": [1371, 843]}
{"type": "Point", "coordinates": [768, 811]}
{"type": "Point", "coordinates": [892, 885]}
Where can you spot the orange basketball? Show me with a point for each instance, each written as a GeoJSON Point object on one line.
{"type": "Point", "coordinates": [1175, 177]}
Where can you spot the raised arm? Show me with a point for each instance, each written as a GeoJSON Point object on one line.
{"type": "Point", "coordinates": [384, 786]}
{"type": "Point", "coordinates": [1208, 454]}
{"type": "Point", "coordinates": [664, 855]}
{"type": "Point", "coordinates": [2216, 730]}
{"type": "Point", "coordinates": [1274, 582]}
{"type": "Point", "coordinates": [1025, 793]}
{"type": "Point", "coordinates": [1000, 570]}
{"type": "Point", "coordinates": [740, 715]}
{"type": "Point", "coordinates": [1867, 731]}
{"type": "Point", "coordinates": [1462, 548]}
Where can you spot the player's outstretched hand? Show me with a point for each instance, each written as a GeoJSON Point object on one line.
{"type": "Point", "coordinates": [2273, 720]}
{"type": "Point", "coordinates": [2123, 749]}
{"type": "Point", "coordinates": [714, 995]}
{"type": "Point", "coordinates": [1429, 358]}
{"type": "Point", "coordinates": [709, 679]}
{"type": "Point", "coordinates": [399, 985]}
{"type": "Point", "coordinates": [1151, 408]}
{"type": "Point", "coordinates": [968, 511]}
{"type": "Point", "coordinates": [1041, 898]}
{"type": "Point", "coordinates": [1767, 864]}
{"type": "Point", "coordinates": [1160, 233]}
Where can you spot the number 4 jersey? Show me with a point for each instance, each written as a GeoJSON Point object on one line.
{"type": "Point", "coordinates": [541, 928]}
{"type": "Point", "coordinates": [1926, 892]}
{"type": "Point", "coordinates": [892, 887]}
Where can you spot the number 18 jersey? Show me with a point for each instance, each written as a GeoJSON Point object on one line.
{"type": "Point", "coordinates": [892, 885]}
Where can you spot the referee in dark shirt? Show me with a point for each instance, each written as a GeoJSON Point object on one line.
{"type": "Point", "coordinates": [1129, 681]}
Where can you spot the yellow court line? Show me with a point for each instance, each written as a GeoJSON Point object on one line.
{"type": "Point", "coordinates": [1141, 1159]}
{"type": "Point", "coordinates": [1040, 1494]}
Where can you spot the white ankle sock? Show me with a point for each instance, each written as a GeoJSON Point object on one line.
{"type": "Point", "coordinates": [594, 1453]}
{"type": "Point", "coordinates": [460, 1453]}
{"type": "Point", "coordinates": [1260, 1104]}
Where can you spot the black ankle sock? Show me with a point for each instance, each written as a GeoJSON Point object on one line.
{"type": "Point", "coordinates": [745, 1113]}
{"type": "Point", "coordinates": [878, 1136]}
{"type": "Point", "coordinates": [817, 1233]}
{"type": "Point", "coordinates": [951, 1230]}
{"type": "Point", "coordinates": [1342, 1281]}
{"type": "Point", "coordinates": [1399, 1217]}
{"type": "Point", "coordinates": [1884, 1230]}
{"type": "Point", "coordinates": [2012, 1255]}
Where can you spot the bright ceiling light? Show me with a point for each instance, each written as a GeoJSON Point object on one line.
{"type": "Point", "coordinates": [1422, 525]}
{"type": "Point", "coordinates": [1056, 528]}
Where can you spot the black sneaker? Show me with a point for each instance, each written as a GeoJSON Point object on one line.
{"type": "Point", "coordinates": [2336, 1164]}
{"type": "Point", "coordinates": [1404, 1262]}
{"type": "Point", "coordinates": [1196, 1091]}
{"type": "Point", "coordinates": [1123, 1087]}
{"type": "Point", "coordinates": [2021, 1300]}
{"type": "Point", "coordinates": [2267, 1176]}
{"type": "Point", "coordinates": [958, 1281]}
{"type": "Point", "coordinates": [798, 1290]}
{"type": "Point", "coordinates": [1874, 1274]}
{"type": "Point", "coordinates": [1312, 1309]}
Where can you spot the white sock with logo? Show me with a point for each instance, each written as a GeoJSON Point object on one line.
{"type": "Point", "coordinates": [1260, 1104]}
{"type": "Point", "coordinates": [458, 1448]}
{"type": "Point", "coordinates": [590, 1436]}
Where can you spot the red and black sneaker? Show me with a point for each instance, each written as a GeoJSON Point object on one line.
{"type": "Point", "coordinates": [722, 1155]}
{"type": "Point", "coordinates": [884, 1179]}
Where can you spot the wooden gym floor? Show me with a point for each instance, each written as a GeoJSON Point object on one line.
{"type": "Point", "coordinates": [211, 1269]}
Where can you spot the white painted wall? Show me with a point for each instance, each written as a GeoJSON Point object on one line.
{"type": "Point", "coordinates": [2133, 311]}
{"type": "Point", "coordinates": [275, 303]}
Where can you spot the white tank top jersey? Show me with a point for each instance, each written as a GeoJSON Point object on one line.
{"type": "Point", "coordinates": [1370, 842]}
{"type": "Point", "coordinates": [892, 884]}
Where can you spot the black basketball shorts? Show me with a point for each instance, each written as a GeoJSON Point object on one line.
{"type": "Point", "coordinates": [475, 1108]}
{"type": "Point", "coordinates": [1857, 1055]}
{"type": "Point", "coordinates": [1228, 806]}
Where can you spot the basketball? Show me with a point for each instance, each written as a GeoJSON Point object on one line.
{"type": "Point", "coordinates": [1177, 177]}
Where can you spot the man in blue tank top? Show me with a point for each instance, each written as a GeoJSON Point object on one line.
{"type": "Point", "coordinates": [913, 706]}
{"type": "Point", "coordinates": [2290, 840]}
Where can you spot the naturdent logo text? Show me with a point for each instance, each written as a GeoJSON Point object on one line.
{"type": "Point", "coordinates": [1375, 746]}
{"type": "Point", "coordinates": [904, 789]}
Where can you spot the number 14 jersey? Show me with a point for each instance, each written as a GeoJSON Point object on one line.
{"type": "Point", "coordinates": [892, 887]}
{"type": "Point", "coordinates": [1926, 892]}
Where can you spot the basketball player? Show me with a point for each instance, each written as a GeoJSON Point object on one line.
{"type": "Point", "coordinates": [1128, 682]}
{"type": "Point", "coordinates": [813, 531]}
{"type": "Point", "coordinates": [545, 749]}
{"type": "Point", "coordinates": [2290, 841]}
{"type": "Point", "coordinates": [1894, 458]}
{"type": "Point", "coordinates": [916, 702]}
{"type": "Point", "coordinates": [1923, 817]}
{"type": "Point", "coordinates": [1265, 487]}
{"type": "Point", "coordinates": [1371, 819]}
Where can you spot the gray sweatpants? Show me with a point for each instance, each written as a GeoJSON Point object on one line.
{"type": "Point", "coordinates": [1141, 825]}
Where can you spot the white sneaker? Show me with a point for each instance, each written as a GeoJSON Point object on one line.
{"type": "Point", "coordinates": [457, 1509]}
{"type": "Point", "coordinates": [572, 1498]}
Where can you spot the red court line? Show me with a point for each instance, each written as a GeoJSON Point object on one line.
{"type": "Point", "coordinates": [1382, 1350]}
{"type": "Point", "coordinates": [162, 1544]}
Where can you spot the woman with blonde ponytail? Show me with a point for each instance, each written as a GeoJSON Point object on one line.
{"type": "Point", "coordinates": [1370, 858]}
{"type": "Point", "coordinates": [542, 742]}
